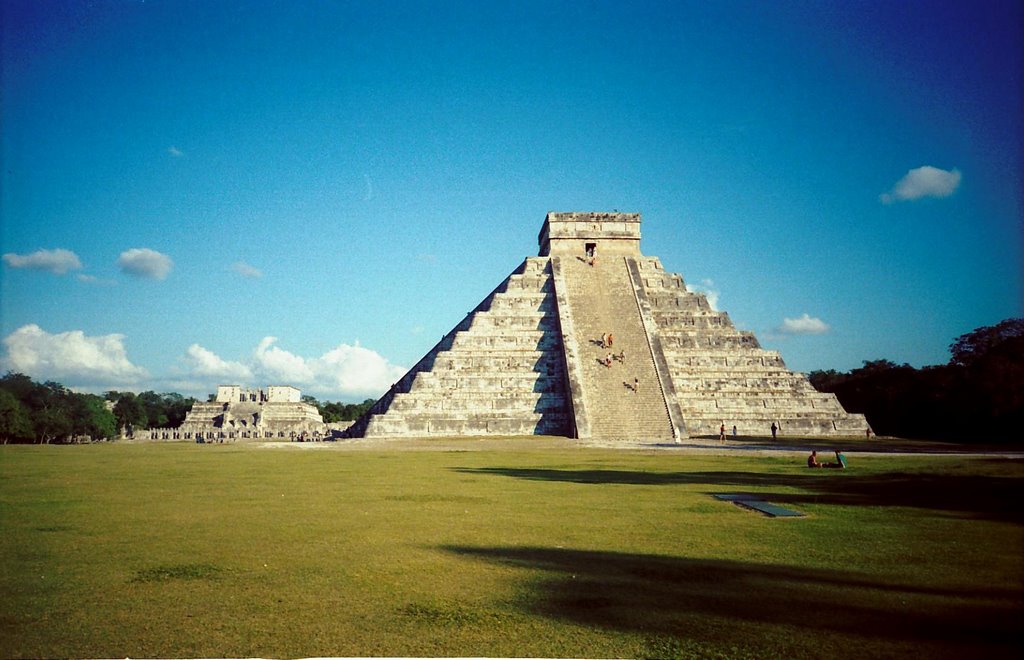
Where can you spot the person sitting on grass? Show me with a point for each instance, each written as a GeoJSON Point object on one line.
{"type": "Point", "coordinates": [812, 460]}
{"type": "Point", "coordinates": [840, 460]}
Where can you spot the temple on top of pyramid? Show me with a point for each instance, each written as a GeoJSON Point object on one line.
{"type": "Point", "coordinates": [593, 340]}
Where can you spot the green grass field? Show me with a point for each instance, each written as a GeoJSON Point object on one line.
{"type": "Point", "coordinates": [183, 550]}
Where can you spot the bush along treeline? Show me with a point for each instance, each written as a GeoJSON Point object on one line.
{"type": "Point", "coordinates": [977, 396]}
{"type": "Point", "coordinates": [45, 413]}
{"type": "Point", "coordinates": [333, 411]}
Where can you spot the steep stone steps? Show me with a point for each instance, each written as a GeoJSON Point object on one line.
{"type": "Point", "coordinates": [601, 301]}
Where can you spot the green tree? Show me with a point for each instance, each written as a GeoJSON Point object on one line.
{"type": "Point", "coordinates": [129, 412]}
{"type": "Point", "coordinates": [19, 385]}
{"type": "Point", "coordinates": [15, 423]}
{"type": "Point", "coordinates": [176, 408]}
{"type": "Point", "coordinates": [976, 344]}
{"type": "Point", "coordinates": [52, 412]}
{"type": "Point", "coordinates": [156, 409]}
{"type": "Point", "coordinates": [93, 418]}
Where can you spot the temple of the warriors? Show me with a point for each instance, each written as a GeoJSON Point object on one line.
{"type": "Point", "coordinates": [593, 340]}
{"type": "Point", "coordinates": [238, 413]}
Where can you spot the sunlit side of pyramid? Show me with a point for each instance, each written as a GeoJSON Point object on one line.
{"type": "Point", "coordinates": [530, 358]}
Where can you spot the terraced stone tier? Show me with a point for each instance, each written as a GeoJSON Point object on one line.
{"type": "Point", "coordinates": [722, 375]}
{"type": "Point", "coordinates": [500, 371]}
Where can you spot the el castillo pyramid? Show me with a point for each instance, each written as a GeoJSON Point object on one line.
{"type": "Point", "coordinates": [531, 358]}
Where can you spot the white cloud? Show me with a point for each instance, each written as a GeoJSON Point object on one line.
{"type": "Point", "coordinates": [71, 357]}
{"type": "Point", "coordinates": [204, 363]}
{"type": "Point", "coordinates": [57, 261]}
{"type": "Point", "coordinates": [143, 262]}
{"type": "Point", "coordinates": [707, 288]}
{"type": "Point", "coordinates": [174, 151]}
{"type": "Point", "coordinates": [245, 270]}
{"type": "Point", "coordinates": [926, 181]}
{"type": "Point", "coordinates": [280, 365]}
{"type": "Point", "coordinates": [357, 370]}
{"type": "Point", "coordinates": [805, 325]}
{"type": "Point", "coordinates": [347, 370]}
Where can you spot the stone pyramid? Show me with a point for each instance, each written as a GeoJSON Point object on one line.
{"type": "Point", "coordinates": [531, 358]}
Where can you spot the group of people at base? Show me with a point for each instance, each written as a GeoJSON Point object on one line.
{"type": "Point", "coordinates": [721, 431]}
{"type": "Point", "coordinates": [812, 460]}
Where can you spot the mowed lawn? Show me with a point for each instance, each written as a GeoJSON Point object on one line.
{"type": "Point", "coordinates": [183, 550]}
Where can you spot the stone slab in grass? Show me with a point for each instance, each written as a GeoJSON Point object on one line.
{"type": "Point", "coordinates": [757, 504]}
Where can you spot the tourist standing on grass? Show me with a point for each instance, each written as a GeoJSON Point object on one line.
{"type": "Point", "coordinates": [774, 430]}
{"type": "Point", "coordinates": [721, 433]}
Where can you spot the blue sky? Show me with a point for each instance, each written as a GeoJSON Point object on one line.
{"type": "Point", "coordinates": [313, 193]}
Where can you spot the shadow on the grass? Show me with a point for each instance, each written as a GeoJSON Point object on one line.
{"type": "Point", "coordinates": [983, 497]}
{"type": "Point", "coordinates": [703, 598]}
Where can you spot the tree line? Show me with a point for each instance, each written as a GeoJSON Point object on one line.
{"type": "Point", "coordinates": [49, 412]}
{"type": "Point", "coordinates": [45, 413]}
{"type": "Point", "coordinates": [978, 396]}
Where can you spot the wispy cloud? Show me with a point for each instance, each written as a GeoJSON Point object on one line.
{"type": "Point", "coordinates": [245, 270]}
{"type": "Point", "coordinates": [58, 261]}
{"type": "Point", "coordinates": [708, 290]}
{"type": "Point", "coordinates": [926, 181]}
{"type": "Point", "coordinates": [72, 357]}
{"type": "Point", "coordinates": [143, 262]}
{"type": "Point", "coordinates": [92, 279]}
{"type": "Point", "coordinates": [804, 325]}
{"type": "Point", "coordinates": [174, 151]}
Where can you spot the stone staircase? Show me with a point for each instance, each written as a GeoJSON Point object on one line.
{"type": "Point", "coordinates": [601, 300]}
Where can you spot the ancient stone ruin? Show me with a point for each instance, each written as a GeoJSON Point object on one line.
{"type": "Point", "coordinates": [594, 340]}
{"type": "Point", "coordinates": [239, 413]}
